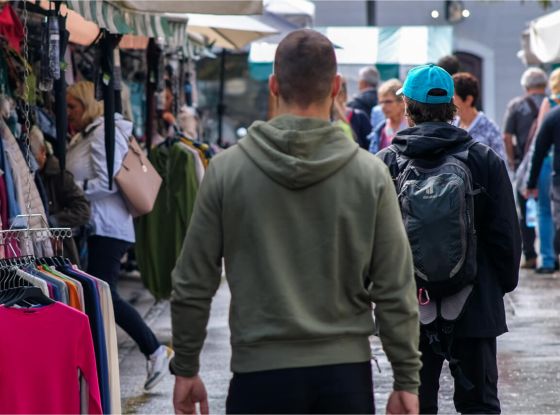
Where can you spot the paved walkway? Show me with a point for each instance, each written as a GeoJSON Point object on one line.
{"type": "Point", "coordinates": [529, 356]}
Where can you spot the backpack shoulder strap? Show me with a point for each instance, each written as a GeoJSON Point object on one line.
{"type": "Point", "coordinates": [402, 160]}
{"type": "Point", "coordinates": [462, 151]}
{"type": "Point", "coordinates": [533, 105]}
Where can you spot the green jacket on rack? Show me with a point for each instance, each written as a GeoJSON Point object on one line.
{"type": "Point", "coordinates": [160, 234]}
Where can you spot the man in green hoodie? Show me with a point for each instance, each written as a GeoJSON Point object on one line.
{"type": "Point", "coordinates": [311, 233]}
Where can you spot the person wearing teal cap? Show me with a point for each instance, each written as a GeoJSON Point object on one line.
{"type": "Point", "coordinates": [463, 312]}
{"type": "Point", "coordinates": [421, 80]}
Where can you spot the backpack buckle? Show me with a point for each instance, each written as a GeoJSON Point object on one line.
{"type": "Point", "coordinates": [423, 297]}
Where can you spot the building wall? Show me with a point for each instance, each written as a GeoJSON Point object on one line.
{"type": "Point", "coordinates": [493, 30]}
{"type": "Point", "coordinates": [340, 13]}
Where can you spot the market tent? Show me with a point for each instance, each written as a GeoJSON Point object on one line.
{"type": "Point", "coordinates": [298, 12]}
{"type": "Point", "coordinates": [242, 7]}
{"type": "Point", "coordinates": [544, 37]}
{"type": "Point", "coordinates": [405, 45]}
{"type": "Point", "coordinates": [526, 54]}
{"type": "Point", "coordinates": [146, 18]}
{"type": "Point", "coordinates": [111, 16]}
{"type": "Point", "coordinates": [229, 32]}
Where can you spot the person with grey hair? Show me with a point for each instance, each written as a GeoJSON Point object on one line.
{"type": "Point", "coordinates": [522, 112]}
{"type": "Point", "coordinates": [67, 206]}
{"type": "Point", "coordinates": [367, 85]}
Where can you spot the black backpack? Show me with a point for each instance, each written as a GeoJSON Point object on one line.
{"type": "Point", "coordinates": [436, 197]}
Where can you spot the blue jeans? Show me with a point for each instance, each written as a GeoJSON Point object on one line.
{"type": "Point", "coordinates": [544, 216]}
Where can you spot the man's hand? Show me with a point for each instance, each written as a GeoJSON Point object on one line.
{"type": "Point", "coordinates": [187, 393]}
{"type": "Point", "coordinates": [402, 402]}
{"type": "Point", "coordinates": [531, 193]}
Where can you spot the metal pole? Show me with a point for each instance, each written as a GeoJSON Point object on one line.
{"type": "Point", "coordinates": [221, 105]}
{"type": "Point", "coordinates": [60, 95]}
{"type": "Point", "coordinates": [108, 87]}
{"type": "Point", "coordinates": [153, 55]}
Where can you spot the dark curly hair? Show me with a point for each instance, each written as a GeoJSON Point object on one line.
{"type": "Point", "coordinates": [466, 84]}
{"type": "Point", "coordinates": [419, 112]}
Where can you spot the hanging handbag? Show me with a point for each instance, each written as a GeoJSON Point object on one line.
{"type": "Point", "coordinates": [138, 181]}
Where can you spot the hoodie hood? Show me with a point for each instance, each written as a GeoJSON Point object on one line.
{"type": "Point", "coordinates": [297, 152]}
{"type": "Point", "coordinates": [429, 139]}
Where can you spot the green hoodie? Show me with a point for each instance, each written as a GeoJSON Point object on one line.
{"type": "Point", "coordinates": [311, 233]}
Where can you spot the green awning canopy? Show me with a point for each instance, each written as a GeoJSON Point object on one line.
{"type": "Point", "coordinates": [111, 16]}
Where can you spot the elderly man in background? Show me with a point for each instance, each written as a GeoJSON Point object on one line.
{"type": "Point", "coordinates": [520, 115]}
{"type": "Point", "coordinates": [368, 79]}
{"type": "Point", "coordinates": [67, 206]}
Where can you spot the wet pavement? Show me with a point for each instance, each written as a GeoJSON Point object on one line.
{"type": "Point", "coordinates": [529, 355]}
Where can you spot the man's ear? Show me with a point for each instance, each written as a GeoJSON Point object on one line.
{"type": "Point", "coordinates": [469, 100]}
{"type": "Point", "coordinates": [273, 85]}
{"type": "Point", "coordinates": [336, 83]}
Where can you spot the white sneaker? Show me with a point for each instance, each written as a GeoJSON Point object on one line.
{"type": "Point", "coordinates": [157, 366]}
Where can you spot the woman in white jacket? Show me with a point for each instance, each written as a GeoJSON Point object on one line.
{"type": "Point", "coordinates": [112, 225]}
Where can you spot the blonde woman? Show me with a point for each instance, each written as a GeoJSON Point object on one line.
{"type": "Point", "coordinates": [392, 106]}
{"type": "Point", "coordinates": [554, 98]}
{"type": "Point", "coordinates": [112, 226]}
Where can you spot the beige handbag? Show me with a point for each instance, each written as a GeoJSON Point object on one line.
{"type": "Point", "coordinates": [138, 181]}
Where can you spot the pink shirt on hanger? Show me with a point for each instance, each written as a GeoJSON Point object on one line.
{"type": "Point", "coordinates": [41, 351]}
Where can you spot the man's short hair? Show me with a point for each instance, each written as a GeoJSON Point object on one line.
{"type": "Point", "coordinates": [370, 75]}
{"type": "Point", "coordinates": [305, 66]}
{"type": "Point", "coordinates": [450, 63]}
{"type": "Point", "coordinates": [534, 78]}
{"type": "Point", "coordinates": [419, 112]}
{"type": "Point", "coordinates": [466, 84]}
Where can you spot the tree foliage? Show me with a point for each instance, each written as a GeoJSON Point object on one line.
{"type": "Point", "coordinates": [545, 4]}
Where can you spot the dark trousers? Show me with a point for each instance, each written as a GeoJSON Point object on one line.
{"type": "Point", "coordinates": [332, 389]}
{"type": "Point", "coordinates": [527, 234]}
{"type": "Point", "coordinates": [104, 262]}
{"type": "Point", "coordinates": [477, 358]}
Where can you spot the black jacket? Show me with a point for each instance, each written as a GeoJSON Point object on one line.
{"type": "Point", "coordinates": [548, 135]}
{"type": "Point", "coordinates": [361, 126]}
{"type": "Point", "coordinates": [497, 226]}
{"type": "Point", "coordinates": [67, 204]}
{"type": "Point", "coordinates": [365, 101]}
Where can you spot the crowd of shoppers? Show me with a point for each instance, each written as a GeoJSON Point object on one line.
{"type": "Point", "coordinates": [313, 230]}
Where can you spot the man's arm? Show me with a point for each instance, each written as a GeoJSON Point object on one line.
{"type": "Point", "coordinates": [543, 142]}
{"type": "Point", "coordinates": [508, 143]}
{"type": "Point", "coordinates": [187, 393]}
{"type": "Point", "coordinates": [393, 291]}
{"type": "Point", "coordinates": [196, 279]}
{"type": "Point", "coordinates": [509, 131]}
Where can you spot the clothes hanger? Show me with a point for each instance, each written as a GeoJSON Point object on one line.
{"type": "Point", "coordinates": [28, 296]}
{"type": "Point", "coordinates": [10, 279]}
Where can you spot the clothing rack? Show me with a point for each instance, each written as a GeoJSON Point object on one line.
{"type": "Point", "coordinates": [27, 233]}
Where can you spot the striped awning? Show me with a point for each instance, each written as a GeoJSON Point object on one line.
{"type": "Point", "coordinates": [110, 16]}
{"type": "Point", "coordinates": [405, 45]}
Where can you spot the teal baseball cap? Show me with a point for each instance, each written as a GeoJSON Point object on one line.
{"type": "Point", "coordinates": [423, 79]}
